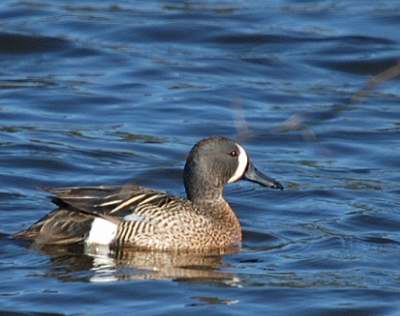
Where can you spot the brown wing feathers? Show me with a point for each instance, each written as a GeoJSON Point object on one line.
{"type": "Point", "coordinates": [107, 200]}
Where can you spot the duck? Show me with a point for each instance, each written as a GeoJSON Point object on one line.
{"type": "Point", "coordinates": [130, 215]}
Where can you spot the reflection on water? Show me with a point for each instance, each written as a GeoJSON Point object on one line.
{"type": "Point", "coordinates": [102, 264]}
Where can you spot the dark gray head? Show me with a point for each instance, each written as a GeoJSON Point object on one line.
{"type": "Point", "coordinates": [216, 161]}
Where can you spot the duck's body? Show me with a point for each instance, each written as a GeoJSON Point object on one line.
{"type": "Point", "coordinates": [146, 219]}
{"type": "Point", "coordinates": [132, 215]}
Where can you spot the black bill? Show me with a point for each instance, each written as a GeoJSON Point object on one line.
{"type": "Point", "coordinates": [253, 175]}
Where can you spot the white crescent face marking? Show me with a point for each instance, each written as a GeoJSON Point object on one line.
{"type": "Point", "coordinates": [242, 165]}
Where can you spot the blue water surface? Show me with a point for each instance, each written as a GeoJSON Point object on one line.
{"type": "Point", "coordinates": [111, 92]}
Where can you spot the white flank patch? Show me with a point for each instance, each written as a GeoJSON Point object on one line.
{"type": "Point", "coordinates": [133, 218]}
{"type": "Point", "coordinates": [242, 164]}
{"type": "Point", "coordinates": [102, 232]}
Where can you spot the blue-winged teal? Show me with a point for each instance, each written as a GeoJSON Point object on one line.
{"type": "Point", "coordinates": [147, 219]}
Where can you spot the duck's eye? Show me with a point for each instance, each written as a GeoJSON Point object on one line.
{"type": "Point", "coordinates": [233, 153]}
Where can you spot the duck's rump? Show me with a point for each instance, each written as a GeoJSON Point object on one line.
{"type": "Point", "coordinates": [59, 227]}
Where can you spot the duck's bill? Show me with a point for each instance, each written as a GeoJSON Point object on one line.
{"type": "Point", "coordinates": [253, 175]}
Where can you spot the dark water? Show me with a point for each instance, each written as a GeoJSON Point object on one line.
{"type": "Point", "coordinates": [109, 92]}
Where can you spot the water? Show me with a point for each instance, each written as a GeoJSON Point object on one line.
{"type": "Point", "coordinates": [114, 92]}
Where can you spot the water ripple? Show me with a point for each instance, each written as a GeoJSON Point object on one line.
{"type": "Point", "coordinates": [114, 92]}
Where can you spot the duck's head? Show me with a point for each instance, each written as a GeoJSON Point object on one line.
{"type": "Point", "coordinates": [216, 161]}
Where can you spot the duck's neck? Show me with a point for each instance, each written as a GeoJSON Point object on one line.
{"type": "Point", "coordinates": [200, 190]}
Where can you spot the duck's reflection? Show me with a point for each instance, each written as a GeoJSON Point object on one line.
{"type": "Point", "coordinates": [102, 264]}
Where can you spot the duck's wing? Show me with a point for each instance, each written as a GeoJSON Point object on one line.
{"type": "Point", "coordinates": [71, 223]}
{"type": "Point", "coordinates": [110, 201]}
